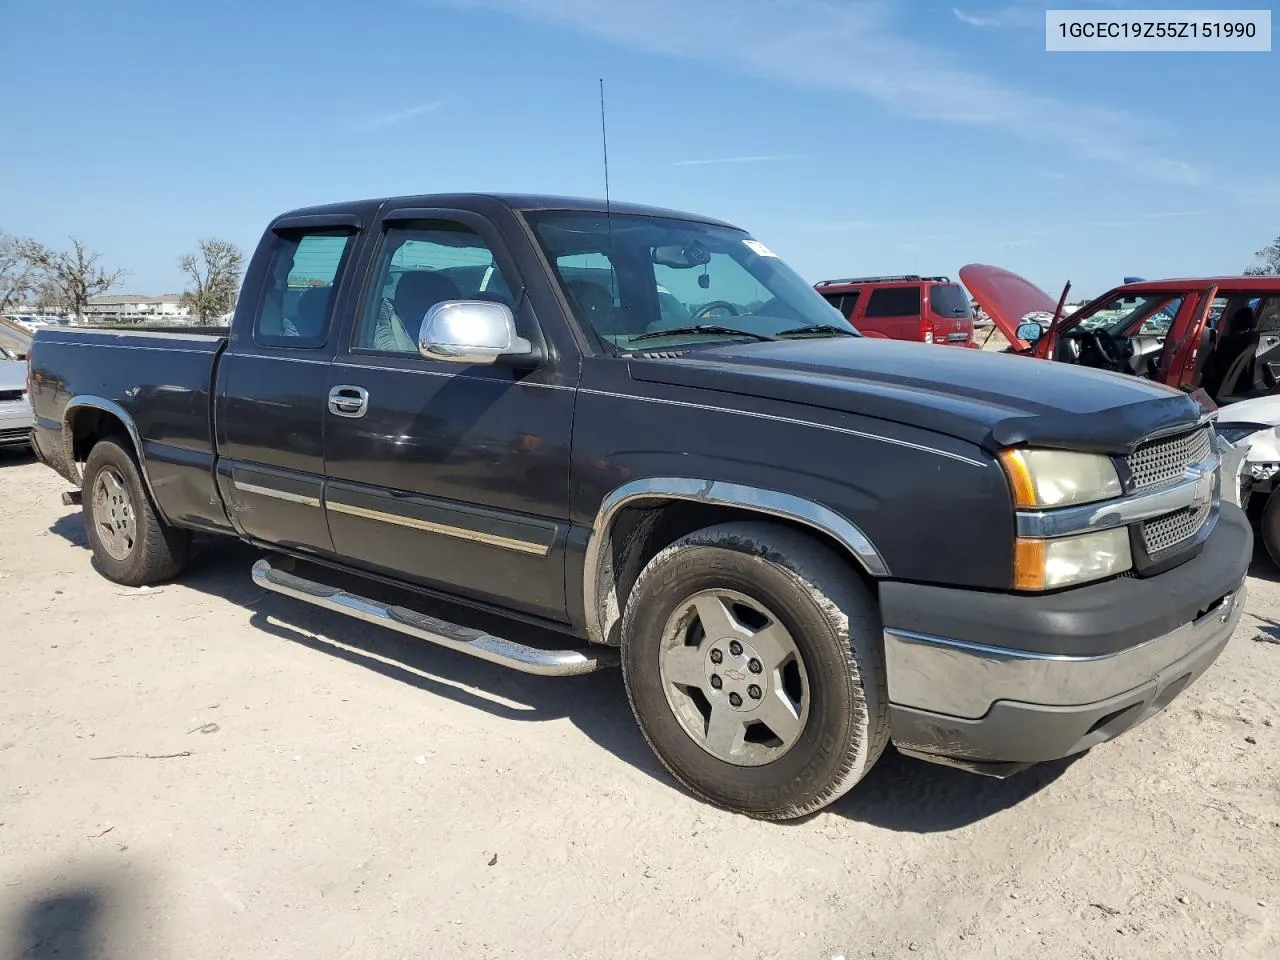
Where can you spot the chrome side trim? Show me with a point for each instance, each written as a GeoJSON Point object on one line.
{"type": "Point", "coordinates": [963, 679]}
{"type": "Point", "coordinates": [277, 494]}
{"type": "Point", "coordinates": [476, 643]}
{"type": "Point", "coordinates": [460, 533]}
{"type": "Point", "coordinates": [603, 611]}
{"type": "Point", "coordinates": [1198, 486]}
{"type": "Point", "coordinates": [117, 411]}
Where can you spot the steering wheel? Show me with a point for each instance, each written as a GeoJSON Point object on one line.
{"type": "Point", "coordinates": [706, 308]}
{"type": "Point", "coordinates": [1106, 346]}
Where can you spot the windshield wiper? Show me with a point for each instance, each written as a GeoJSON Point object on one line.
{"type": "Point", "coordinates": [701, 328]}
{"type": "Point", "coordinates": [818, 328]}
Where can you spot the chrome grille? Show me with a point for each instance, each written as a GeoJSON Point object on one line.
{"type": "Point", "coordinates": [1172, 529]}
{"type": "Point", "coordinates": [1162, 461]}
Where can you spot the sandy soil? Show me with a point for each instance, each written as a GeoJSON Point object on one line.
{"type": "Point", "coordinates": [324, 789]}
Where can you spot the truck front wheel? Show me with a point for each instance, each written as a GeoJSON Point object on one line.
{"type": "Point", "coordinates": [131, 544]}
{"type": "Point", "coordinates": [754, 663]}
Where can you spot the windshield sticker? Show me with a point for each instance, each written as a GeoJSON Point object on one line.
{"type": "Point", "coordinates": [759, 249]}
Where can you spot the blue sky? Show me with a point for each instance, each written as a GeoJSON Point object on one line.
{"type": "Point", "coordinates": [852, 136]}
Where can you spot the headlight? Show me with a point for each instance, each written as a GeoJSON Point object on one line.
{"type": "Point", "coordinates": [1062, 562]}
{"type": "Point", "coordinates": [1059, 478]}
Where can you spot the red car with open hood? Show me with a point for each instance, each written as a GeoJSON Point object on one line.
{"type": "Point", "coordinates": [1216, 336]}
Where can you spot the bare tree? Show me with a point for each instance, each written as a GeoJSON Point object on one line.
{"type": "Point", "coordinates": [215, 272]}
{"type": "Point", "coordinates": [1268, 264]}
{"type": "Point", "coordinates": [73, 275]}
{"type": "Point", "coordinates": [19, 277]}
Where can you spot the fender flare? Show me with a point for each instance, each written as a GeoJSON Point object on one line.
{"type": "Point", "coordinates": [117, 411]}
{"type": "Point", "coordinates": [602, 611]}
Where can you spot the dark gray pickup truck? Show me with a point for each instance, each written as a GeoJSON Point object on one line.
{"type": "Point", "coordinates": [642, 429]}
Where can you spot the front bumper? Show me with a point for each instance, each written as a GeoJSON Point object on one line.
{"type": "Point", "coordinates": [979, 696]}
{"type": "Point", "coordinates": [16, 422]}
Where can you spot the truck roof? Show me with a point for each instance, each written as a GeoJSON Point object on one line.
{"type": "Point", "coordinates": [512, 201]}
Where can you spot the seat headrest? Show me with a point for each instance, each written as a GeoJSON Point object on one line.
{"type": "Point", "coordinates": [420, 290]}
{"type": "Point", "coordinates": [309, 313]}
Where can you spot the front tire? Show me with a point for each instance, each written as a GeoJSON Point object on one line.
{"type": "Point", "coordinates": [131, 544]}
{"type": "Point", "coordinates": [1269, 526]}
{"type": "Point", "coordinates": [753, 660]}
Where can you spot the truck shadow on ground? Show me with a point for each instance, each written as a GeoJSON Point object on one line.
{"type": "Point", "coordinates": [900, 794]}
{"type": "Point", "coordinates": [65, 923]}
{"type": "Point", "coordinates": [80, 911]}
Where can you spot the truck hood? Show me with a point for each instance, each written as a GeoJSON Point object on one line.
{"type": "Point", "coordinates": [991, 399]}
{"type": "Point", "coordinates": [1006, 298]}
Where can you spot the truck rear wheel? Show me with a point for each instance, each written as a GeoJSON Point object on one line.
{"type": "Point", "coordinates": [131, 544]}
{"type": "Point", "coordinates": [753, 660]}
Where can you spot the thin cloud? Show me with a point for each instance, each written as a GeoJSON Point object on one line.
{"type": "Point", "coordinates": [387, 119]}
{"type": "Point", "coordinates": [804, 44]}
{"type": "Point", "coordinates": [999, 19]}
{"type": "Point", "coordinates": [1050, 175]}
{"type": "Point", "coordinates": [764, 159]}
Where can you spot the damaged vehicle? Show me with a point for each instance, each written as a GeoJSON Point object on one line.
{"type": "Point", "coordinates": [1215, 338]}
{"type": "Point", "coordinates": [1249, 439]}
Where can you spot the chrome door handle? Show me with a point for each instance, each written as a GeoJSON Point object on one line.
{"type": "Point", "coordinates": [348, 401]}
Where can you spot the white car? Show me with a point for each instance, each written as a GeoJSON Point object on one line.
{"type": "Point", "coordinates": [16, 418]}
{"type": "Point", "coordinates": [34, 321]}
{"type": "Point", "coordinates": [1249, 437]}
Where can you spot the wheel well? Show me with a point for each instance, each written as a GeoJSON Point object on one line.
{"type": "Point", "coordinates": [89, 425]}
{"type": "Point", "coordinates": [639, 531]}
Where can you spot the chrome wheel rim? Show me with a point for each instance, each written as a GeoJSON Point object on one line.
{"type": "Point", "coordinates": [113, 514]}
{"type": "Point", "coordinates": [734, 678]}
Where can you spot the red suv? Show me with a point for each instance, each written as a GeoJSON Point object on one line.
{"type": "Point", "coordinates": [924, 309]}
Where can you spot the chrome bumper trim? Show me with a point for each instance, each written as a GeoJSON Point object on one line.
{"type": "Point", "coordinates": [963, 679]}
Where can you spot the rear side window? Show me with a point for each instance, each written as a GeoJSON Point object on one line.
{"type": "Point", "coordinates": [894, 302]}
{"type": "Point", "coordinates": [297, 296]}
{"type": "Point", "coordinates": [846, 303]}
{"type": "Point", "coordinates": [948, 300]}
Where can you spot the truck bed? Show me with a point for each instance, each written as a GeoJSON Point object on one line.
{"type": "Point", "coordinates": [158, 383]}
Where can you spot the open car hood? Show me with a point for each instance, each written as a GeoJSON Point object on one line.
{"type": "Point", "coordinates": [1006, 298]}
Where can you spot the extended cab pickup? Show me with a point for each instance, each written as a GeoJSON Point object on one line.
{"type": "Point", "coordinates": [799, 544]}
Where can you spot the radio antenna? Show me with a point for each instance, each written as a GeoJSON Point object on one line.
{"type": "Point", "coordinates": [604, 142]}
{"type": "Point", "coordinates": [608, 206]}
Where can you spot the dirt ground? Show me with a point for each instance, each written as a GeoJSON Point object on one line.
{"type": "Point", "coordinates": [203, 770]}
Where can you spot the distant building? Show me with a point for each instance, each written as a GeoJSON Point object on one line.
{"type": "Point", "coordinates": [134, 308]}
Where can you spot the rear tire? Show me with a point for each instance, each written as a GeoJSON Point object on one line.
{"type": "Point", "coordinates": [131, 544]}
{"type": "Point", "coordinates": [707, 624]}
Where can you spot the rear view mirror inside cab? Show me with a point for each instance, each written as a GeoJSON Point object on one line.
{"type": "Point", "coordinates": [681, 257]}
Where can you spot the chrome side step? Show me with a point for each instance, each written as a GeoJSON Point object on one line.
{"type": "Point", "coordinates": [477, 643]}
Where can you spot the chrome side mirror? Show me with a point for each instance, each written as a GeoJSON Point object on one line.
{"type": "Point", "coordinates": [1030, 331]}
{"type": "Point", "coordinates": [472, 332]}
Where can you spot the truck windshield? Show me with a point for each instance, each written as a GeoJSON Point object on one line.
{"type": "Point", "coordinates": [630, 276]}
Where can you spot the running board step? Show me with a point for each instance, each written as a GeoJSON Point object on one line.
{"type": "Point", "coordinates": [477, 643]}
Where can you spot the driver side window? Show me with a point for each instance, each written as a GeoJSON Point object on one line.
{"type": "Point", "coordinates": [419, 267]}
